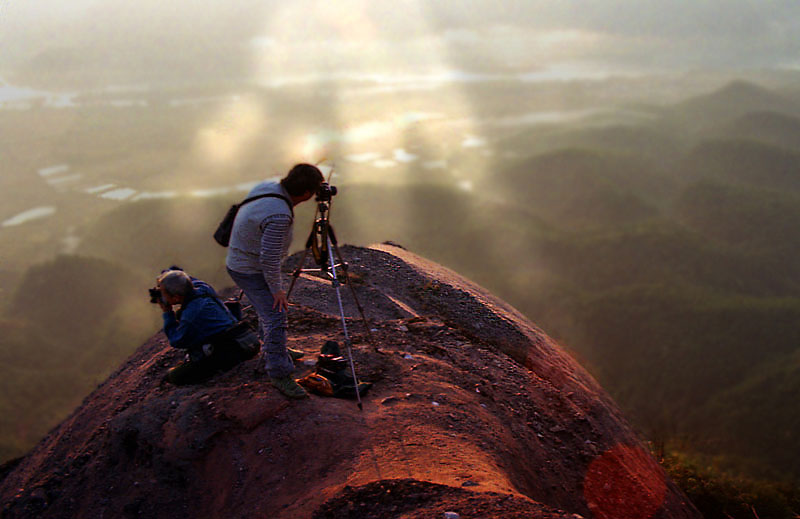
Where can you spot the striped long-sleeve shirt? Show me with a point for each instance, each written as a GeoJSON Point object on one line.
{"type": "Point", "coordinates": [261, 236]}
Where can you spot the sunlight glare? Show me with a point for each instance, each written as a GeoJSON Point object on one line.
{"type": "Point", "coordinates": [224, 140]}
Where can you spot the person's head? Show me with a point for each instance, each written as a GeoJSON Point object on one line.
{"type": "Point", "coordinates": [175, 286]}
{"type": "Point", "coordinates": [302, 182]}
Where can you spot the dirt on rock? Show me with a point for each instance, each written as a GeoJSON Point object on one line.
{"type": "Point", "coordinates": [473, 411]}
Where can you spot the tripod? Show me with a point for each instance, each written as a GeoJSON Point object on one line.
{"type": "Point", "coordinates": [323, 245]}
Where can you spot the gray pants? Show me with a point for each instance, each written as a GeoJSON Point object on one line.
{"type": "Point", "coordinates": [272, 323]}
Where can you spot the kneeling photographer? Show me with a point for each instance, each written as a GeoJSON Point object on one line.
{"type": "Point", "coordinates": [214, 338]}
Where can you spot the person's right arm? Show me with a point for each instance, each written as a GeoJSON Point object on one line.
{"type": "Point", "coordinates": [181, 334]}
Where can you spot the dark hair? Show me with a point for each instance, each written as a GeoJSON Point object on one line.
{"type": "Point", "coordinates": [302, 178]}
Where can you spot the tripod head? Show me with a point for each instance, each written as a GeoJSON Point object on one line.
{"type": "Point", "coordinates": [325, 194]}
{"type": "Point", "coordinates": [322, 210]}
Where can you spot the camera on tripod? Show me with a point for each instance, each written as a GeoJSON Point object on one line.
{"type": "Point", "coordinates": [325, 192]}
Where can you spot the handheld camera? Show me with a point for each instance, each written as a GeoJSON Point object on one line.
{"type": "Point", "coordinates": [155, 295]}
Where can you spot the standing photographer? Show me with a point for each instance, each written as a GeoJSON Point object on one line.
{"type": "Point", "coordinates": [213, 337]}
{"type": "Point", "coordinates": [262, 233]}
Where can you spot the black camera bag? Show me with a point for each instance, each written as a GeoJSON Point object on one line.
{"type": "Point", "coordinates": [240, 336]}
{"type": "Point", "coordinates": [223, 233]}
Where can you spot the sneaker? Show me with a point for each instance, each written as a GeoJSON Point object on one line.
{"type": "Point", "coordinates": [289, 387]}
{"type": "Point", "coordinates": [295, 354]}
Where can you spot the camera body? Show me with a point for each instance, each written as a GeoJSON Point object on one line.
{"type": "Point", "coordinates": [155, 296]}
{"type": "Point", "coordinates": [326, 192]}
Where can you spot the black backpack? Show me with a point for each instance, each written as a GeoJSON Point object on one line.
{"type": "Point", "coordinates": [237, 337]}
{"type": "Point", "coordinates": [223, 233]}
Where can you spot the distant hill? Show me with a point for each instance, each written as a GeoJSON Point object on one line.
{"type": "Point", "coordinates": [728, 103]}
{"type": "Point", "coordinates": [764, 396]}
{"type": "Point", "coordinates": [778, 129]}
{"type": "Point", "coordinates": [8, 284]}
{"type": "Point", "coordinates": [761, 222]}
{"type": "Point", "coordinates": [577, 188]}
{"type": "Point", "coordinates": [69, 323]}
{"type": "Point", "coordinates": [149, 235]}
{"type": "Point", "coordinates": [647, 139]}
{"type": "Point", "coordinates": [792, 91]}
{"type": "Point", "coordinates": [75, 292]}
{"type": "Point", "coordinates": [656, 252]}
{"type": "Point", "coordinates": [745, 162]}
{"type": "Point", "coordinates": [699, 346]}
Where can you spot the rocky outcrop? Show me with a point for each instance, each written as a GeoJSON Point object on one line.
{"type": "Point", "coordinates": [474, 411]}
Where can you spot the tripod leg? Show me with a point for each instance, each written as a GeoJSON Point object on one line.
{"type": "Point", "coordinates": [296, 273]}
{"type": "Point", "coordinates": [344, 324]}
{"type": "Point", "coordinates": [353, 293]}
{"type": "Point", "coordinates": [309, 242]}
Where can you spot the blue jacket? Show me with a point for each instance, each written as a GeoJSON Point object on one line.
{"type": "Point", "coordinates": [200, 318]}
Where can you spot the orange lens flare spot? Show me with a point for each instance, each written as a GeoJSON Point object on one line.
{"type": "Point", "coordinates": [624, 483]}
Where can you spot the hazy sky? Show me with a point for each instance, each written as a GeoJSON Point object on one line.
{"type": "Point", "coordinates": [119, 40]}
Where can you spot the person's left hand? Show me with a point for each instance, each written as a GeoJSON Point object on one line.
{"type": "Point", "coordinates": [280, 301]}
{"type": "Point", "coordinates": [164, 306]}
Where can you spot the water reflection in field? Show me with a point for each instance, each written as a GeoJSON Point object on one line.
{"type": "Point", "coordinates": [66, 179]}
{"type": "Point", "coordinates": [98, 189]}
{"type": "Point", "coordinates": [471, 141]}
{"type": "Point", "coordinates": [30, 215]}
{"type": "Point", "coordinates": [23, 98]}
{"type": "Point", "coordinates": [122, 193]}
{"type": "Point", "coordinates": [150, 195]}
{"type": "Point", "coordinates": [363, 157]}
{"type": "Point", "coordinates": [53, 170]}
{"type": "Point", "coordinates": [402, 155]}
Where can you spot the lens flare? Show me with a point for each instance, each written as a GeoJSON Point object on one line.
{"type": "Point", "coordinates": [624, 483]}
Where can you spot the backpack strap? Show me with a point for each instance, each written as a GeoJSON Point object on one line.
{"type": "Point", "coordinates": [268, 195]}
